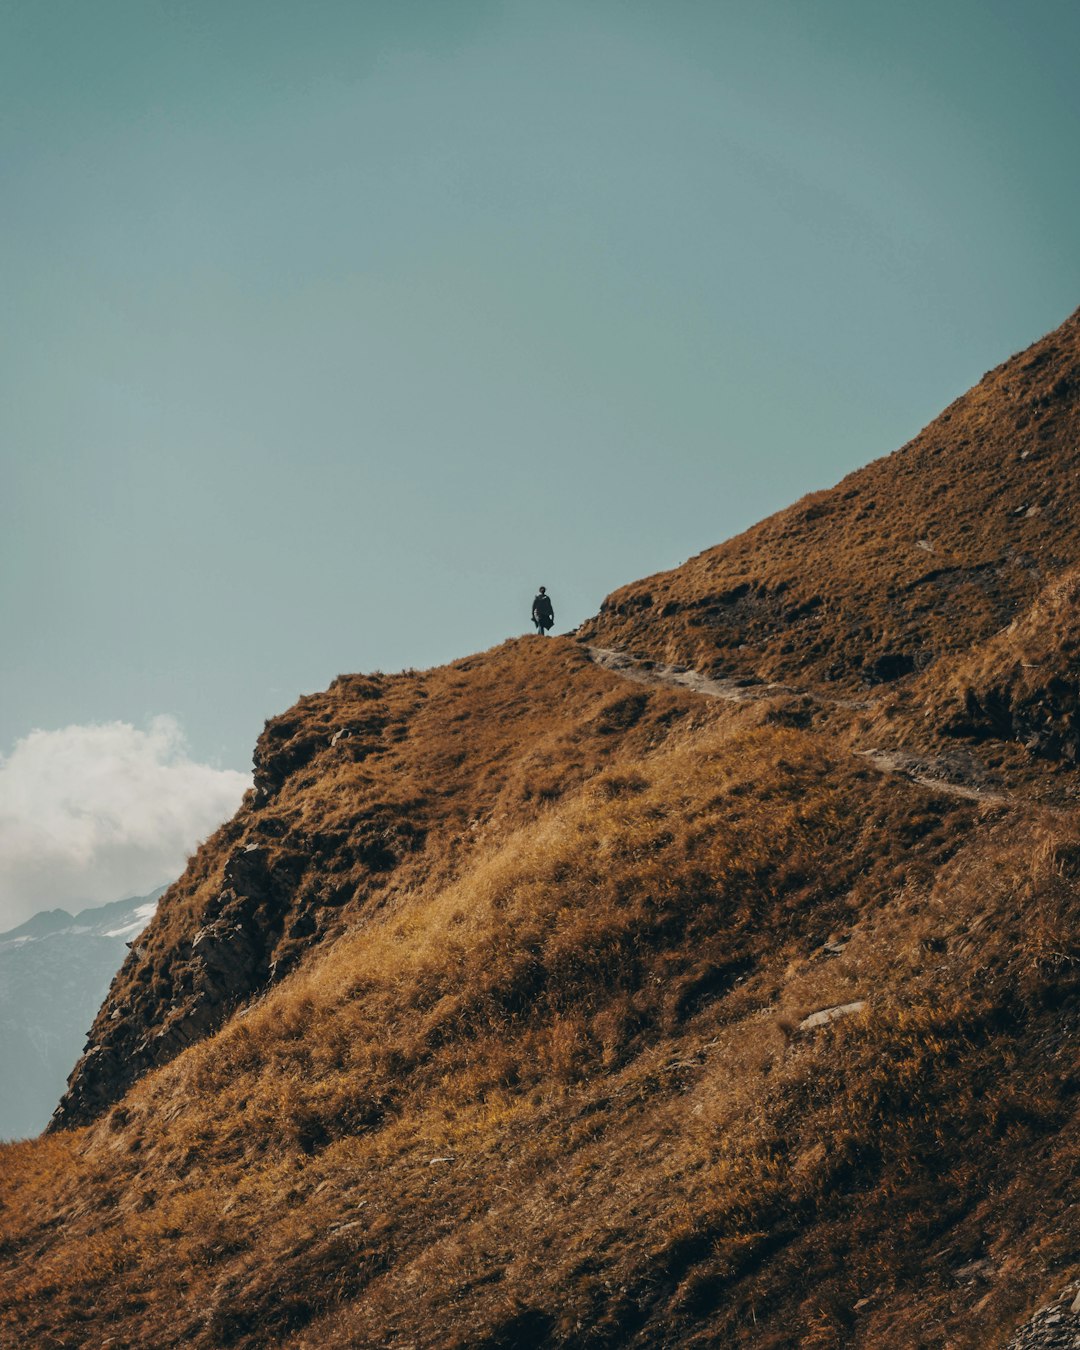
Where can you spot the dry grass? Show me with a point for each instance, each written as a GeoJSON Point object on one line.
{"type": "Point", "coordinates": [1023, 684]}
{"type": "Point", "coordinates": [365, 792]}
{"type": "Point", "coordinates": [927, 551]}
{"type": "Point", "coordinates": [552, 1095]}
{"type": "Point", "coordinates": [508, 1050]}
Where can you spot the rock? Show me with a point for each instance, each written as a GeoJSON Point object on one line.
{"type": "Point", "coordinates": [827, 1015]}
{"type": "Point", "coordinates": [1055, 1327]}
{"type": "Point", "coordinates": [975, 1270]}
{"type": "Point", "coordinates": [226, 962]}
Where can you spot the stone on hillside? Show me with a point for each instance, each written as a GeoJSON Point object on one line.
{"type": "Point", "coordinates": [826, 1015]}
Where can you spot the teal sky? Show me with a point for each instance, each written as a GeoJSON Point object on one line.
{"type": "Point", "coordinates": [331, 330]}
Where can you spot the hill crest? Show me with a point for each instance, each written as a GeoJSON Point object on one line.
{"type": "Point", "coordinates": [526, 1003]}
{"type": "Point", "coordinates": [925, 551]}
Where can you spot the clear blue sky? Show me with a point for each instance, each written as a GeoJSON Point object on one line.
{"type": "Point", "coordinates": [332, 329]}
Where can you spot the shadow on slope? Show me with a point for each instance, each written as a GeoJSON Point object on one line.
{"type": "Point", "coordinates": [1024, 684]}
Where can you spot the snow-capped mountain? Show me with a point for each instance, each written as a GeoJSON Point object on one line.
{"type": "Point", "coordinates": [55, 970]}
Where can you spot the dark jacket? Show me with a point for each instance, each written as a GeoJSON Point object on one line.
{"type": "Point", "coordinates": [542, 612]}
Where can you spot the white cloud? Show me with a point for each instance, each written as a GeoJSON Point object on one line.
{"type": "Point", "coordinates": [96, 813]}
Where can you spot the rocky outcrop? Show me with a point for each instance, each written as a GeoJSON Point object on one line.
{"type": "Point", "coordinates": [290, 742]}
{"type": "Point", "coordinates": [227, 931]}
{"type": "Point", "coordinates": [824, 1016]}
{"type": "Point", "coordinates": [228, 959]}
{"type": "Point", "coordinates": [1046, 721]}
{"type": "Point", "coordinates": [1055, 1327]}
{"type": "Point", "coordinates": [361, 792]}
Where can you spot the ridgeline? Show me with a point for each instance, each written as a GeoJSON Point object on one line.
{"type": "Point", "coordinates": [709, 978]}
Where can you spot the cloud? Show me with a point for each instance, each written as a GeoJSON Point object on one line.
{"type": "Point", "coordinates": [96, 813]}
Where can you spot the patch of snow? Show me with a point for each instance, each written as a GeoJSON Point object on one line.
{"type": "Point", "coordinates": [143, 915]}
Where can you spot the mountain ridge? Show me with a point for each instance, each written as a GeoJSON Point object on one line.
{"type": "Point", "coordinates": [524, 1003]}
{"type": "Point", "coordinates": [907, 574]}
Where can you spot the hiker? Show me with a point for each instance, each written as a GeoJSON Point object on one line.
{"type": "Point", "coordinates": [542, 613]}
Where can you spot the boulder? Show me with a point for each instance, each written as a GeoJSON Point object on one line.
{"type": "Point", "coordinates": [826, 1015]}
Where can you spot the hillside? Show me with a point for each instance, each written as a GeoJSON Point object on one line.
{"type": "Point", "coordinates": [926, 551]}
{"type": "Point", "coordinates": [708, 979]}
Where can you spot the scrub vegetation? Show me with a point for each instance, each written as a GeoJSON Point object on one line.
{"type": "Point", "coordinates": [488, 1021]}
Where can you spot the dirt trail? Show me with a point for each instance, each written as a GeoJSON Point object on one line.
{"type": "Point", "coordinates": [913, 768]}
{"type": "Point", "coordinates": [655, 672]}
{"type": "Point", "coordinates": [921, 769]}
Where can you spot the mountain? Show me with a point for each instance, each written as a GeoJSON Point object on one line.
{"type": "Point", "coordinates": [55, 970]}
{"type": "Point", "coordinates": [927, 551]}
{"type": "Point", "coordinates": [709, 978]}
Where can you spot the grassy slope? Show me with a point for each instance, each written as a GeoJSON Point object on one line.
{"type": "Point", "coordinates": [529, 1069]}
{"type": "Point", "coordinates": [1023, 684]}
{"type": "Point", "coordinates": [926, 551]}
{"type": "Point", "coordinates": [432, 764]}
{"type": "Point", "coordinates": [593, 1025]}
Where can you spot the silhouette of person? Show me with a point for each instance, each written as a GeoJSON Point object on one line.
{"type": "Point", "coordinates": [542, 613]}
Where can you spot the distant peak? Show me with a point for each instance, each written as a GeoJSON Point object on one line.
{"type": "Point", "coordinates": [48, 921]}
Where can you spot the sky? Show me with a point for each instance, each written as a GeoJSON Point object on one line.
{"type": "Point", "coordinates": [332, 330]}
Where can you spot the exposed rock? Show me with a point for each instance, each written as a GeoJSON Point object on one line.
{"type": "Point", "coordinates": [827, 1015]}
{"type": "Point", "coordinates": [889, 666]}
{"type": "Point", "coordinates": [1055, 1327]}
{"type": "Point", "coordinates": [974, 1270]}
{"type": "Point", "coordinates": [227, 960]}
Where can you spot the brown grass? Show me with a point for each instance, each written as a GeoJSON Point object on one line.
{"type": "Point", "coordinates": [924, 552]}
{"type": "Point", "coordinates": [510, 1049]}
{"type": "Point", "coordinates": [430, 767]}
{"type": "Point", "coordinates": [550, 1089]}
{"type": "Point", "coordinates": [1023, 684]}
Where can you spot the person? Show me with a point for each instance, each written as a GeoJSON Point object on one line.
{"type": "Point", "coordinates": [542, 613]}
